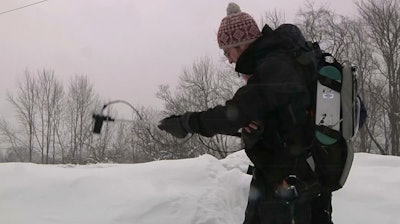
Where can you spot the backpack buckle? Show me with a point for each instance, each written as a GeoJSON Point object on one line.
{"type": "Point", "coordinates": [288, 191]}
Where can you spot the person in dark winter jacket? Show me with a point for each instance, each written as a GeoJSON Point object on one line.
{"type": "Point", "coordinates": [284, 189]}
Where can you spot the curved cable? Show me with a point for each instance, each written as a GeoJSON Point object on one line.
{"type": "Point", "coordinates": [140, 117]}
{"type": "Point", "coordinates": [124, 102]}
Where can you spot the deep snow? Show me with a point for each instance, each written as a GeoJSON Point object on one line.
{"type": "Point", "coordinates": [202, 190]}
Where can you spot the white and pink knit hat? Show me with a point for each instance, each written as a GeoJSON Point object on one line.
{"type": "Point", "coordinates": [237, 28]}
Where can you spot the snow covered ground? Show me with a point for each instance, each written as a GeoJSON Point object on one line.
{"type": "Point", "coordinates": [203, 190]}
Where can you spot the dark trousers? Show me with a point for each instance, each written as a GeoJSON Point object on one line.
{"type": "Point", "coordinates": [265, 209]}
{"type": "Point", "coordinates": [321, 209]}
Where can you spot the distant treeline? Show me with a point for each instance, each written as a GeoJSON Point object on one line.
{"type": "Point", "coordinates": [54, 121]}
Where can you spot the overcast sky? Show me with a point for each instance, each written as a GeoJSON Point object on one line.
{"type": "Point", "coordinates": [127, 48]}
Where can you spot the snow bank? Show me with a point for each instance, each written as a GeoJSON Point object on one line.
{"type": "Point", "coordinates": [203, 190]}
{"type": "Point", "coordinates": [372, 192]}
{"type": "Point", "coordinates": [197, 190]}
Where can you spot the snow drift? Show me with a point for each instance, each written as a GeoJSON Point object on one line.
{"type": "Point", "coordinates": [202, 190]}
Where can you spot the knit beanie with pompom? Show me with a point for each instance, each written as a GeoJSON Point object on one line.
{"type": "Point", "coordinates": [237, 28]}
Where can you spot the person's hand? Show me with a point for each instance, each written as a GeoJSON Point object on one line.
{"type": "Point", "coordinates": [252, 134]}
{"type": "Point", "coordinates": [252, 127]}
{"type": "Point", "coordinates": [176, 125]}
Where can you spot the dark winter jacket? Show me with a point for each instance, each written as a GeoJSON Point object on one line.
{"type": "Point", "coordinates": [272, 96]}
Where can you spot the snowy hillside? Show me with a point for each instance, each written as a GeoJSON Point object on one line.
{"type": "Point", "coordinates": [203, 190]}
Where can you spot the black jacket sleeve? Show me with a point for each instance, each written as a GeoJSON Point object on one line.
{"type": "Point", "coordinates": [272, 85]}
{"type": "Point", "coordinates": [245, 106]}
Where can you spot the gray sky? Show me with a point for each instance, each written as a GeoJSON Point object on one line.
{"type": "Point", "coordinates": [127, 48]}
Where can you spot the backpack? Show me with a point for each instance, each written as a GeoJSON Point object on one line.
{"type": "Point", "coordinates": [334, 110]}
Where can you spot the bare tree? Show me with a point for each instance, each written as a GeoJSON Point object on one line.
{"type": "Point", "coordinates": [81, 102]}
{"type": "Point", "coordinates": [24, 103]}
{"type": "Point", "coordinates": [201, 87]}
{"type": "Point", "coordinates": [150, 143]}
{"type": "Point", "coordinates": [99, 146]}
{"type": "Point", "coordinates": [273, 18]}
{"type": "Point", "coordinates": [326, 27]}
{"type": "Point", "coordinates": [121, 150]}
{"type": "Point", "coordinates": [382, 20]}
{"type": "Point", "coordinates": [35, 102]}
{"type": "Point", "coordinates": [16, 144]}
{"type": "Point", "coordinates": [49, 94]}
{"type": "Point", "coordinates": [312, 21]}
{"type": "Point", "coordinates": [55, 125]}
{"type": "Point", "coordinates": [360, 54]}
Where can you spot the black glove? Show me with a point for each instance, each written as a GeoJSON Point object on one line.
{"type": "Point", "coordinates": [176, 125]}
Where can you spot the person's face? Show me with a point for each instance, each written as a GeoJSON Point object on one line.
{"type": "Point", "coordinates": [234, 53]}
